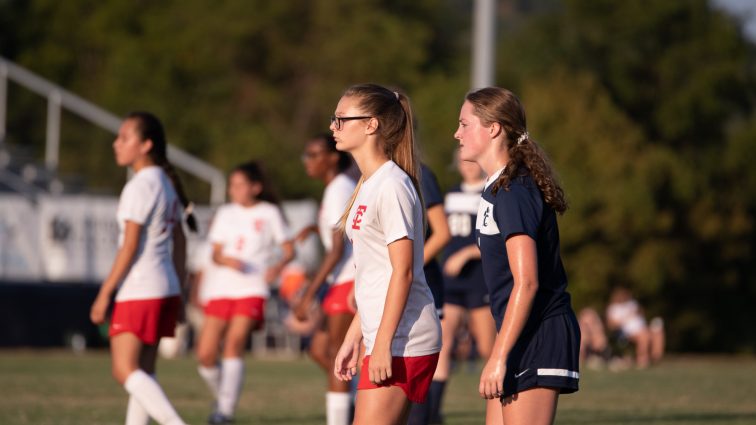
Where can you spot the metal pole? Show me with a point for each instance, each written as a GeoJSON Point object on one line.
{"type": "Point", "coordinates": [483, 60]}
{"type": "Point", "coordinates": [52, 145]}
{"type": "Point", "coordinates": [3, 98]}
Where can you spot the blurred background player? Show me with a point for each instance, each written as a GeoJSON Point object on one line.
{"type": "Point", "coordinates": [247, 236]}
{"type": "Point", "coordinates": [324, 162]}
{"type": "Point", "coordinates": [145, 273]}
{"type": "Point", "coordinates": [466, 297]}
{"type": "Point", "coordinates": [625, 316]}
{"type": "Point", "coordinates": [396, 319]}
{"type": "Point", "coordinates": [594, 344]}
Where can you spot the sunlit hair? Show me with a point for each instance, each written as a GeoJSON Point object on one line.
{"type": "Point", "coordinates": [149, 127]}
{"type": "Point", "coordinates": [396, 137]}
{"type": "Point", "coordinates": [496, 105]}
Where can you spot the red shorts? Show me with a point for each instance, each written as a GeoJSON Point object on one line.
{"type": "Point", "coordinates": [336, 300]}
{"type": "Point", "coordinates": [149, 320]}
{"type": "Point", "coordinates": [412, 374]}
{"type": "Point", "coordinates": [225, 308]}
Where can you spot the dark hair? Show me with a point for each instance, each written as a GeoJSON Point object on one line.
{"type": "Point", "coordinates": [498, 105]}
{"type": "Point", "coordinates": [150, 128]}
{"type": "Point", "coordinates": [329, 143]}
{"type": "Point", "coordinates": [254, 172]}
{"type": "Point", "coordinates": [393, 111]}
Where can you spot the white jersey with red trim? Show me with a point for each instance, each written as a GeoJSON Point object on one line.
{"type": "Point", "coordinates": [335, 200]}
{"type": "Point", "coordinates": [387, 208]}
{"type": "Point", "coordinates": [252, 235]}
{"type": "Point", "coordinates": [150, 200]}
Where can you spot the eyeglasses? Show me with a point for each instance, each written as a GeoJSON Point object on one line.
{"type": "Point", "coordinates": [311, 155]}
{"type": "Point", "coordinates": [338, 122]}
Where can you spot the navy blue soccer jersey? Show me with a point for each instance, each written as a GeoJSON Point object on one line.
{"type": "Point", "coordinates": [432, 197]}
{"type": "Point", "coordinates": [521, 210]}
{"type": "Point", "coordinates": [461, 207]}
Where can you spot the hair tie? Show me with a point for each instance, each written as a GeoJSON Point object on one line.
{"type": "Point", "coordinates": [189, 208]}
{"type": "Point", "coordinates": [396, 93]}
{"type": "Point", "coordinates": [523, 137]}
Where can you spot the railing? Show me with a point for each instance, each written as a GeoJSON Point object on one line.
{"type": "Point", "coordinates": [58, 97]}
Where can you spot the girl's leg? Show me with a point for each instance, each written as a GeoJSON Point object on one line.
{"type": "Point", "coordinates": [338, 398]}
{"type": "Point", "coordinates": [126, 351]}
{"type": "Point", "coordinates": [483, 329]}
{"type": "Point", "coordinates": [319, 350]}
{"type": "Point", "coordinates": [381, 406]}
{"type": "Point", "coordinates": [535, 406]}
{"type": "Point", "coordinates": [210, 336]}
{"type": "Point", "coordinates": [135, 413]}
{"type": "Point", "coordinates": [232, 365]}
{"type": "Point", "coordinates": [493, 412]}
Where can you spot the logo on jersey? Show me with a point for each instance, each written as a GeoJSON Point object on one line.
{"type": "Point", "coordinates": [485, 223]}
{"type": "Point", "coordinates": [358, 217]}
{"type": "Point", "coordinates": [258, 225]}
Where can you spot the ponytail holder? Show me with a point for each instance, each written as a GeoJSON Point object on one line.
{"type": "Point", "coordinates": [523, 137]}
{"type": "Point", "coordinates": [189, 208]}
{"type": "Point", "coordinates": [396, 93]}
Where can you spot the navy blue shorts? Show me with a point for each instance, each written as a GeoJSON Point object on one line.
{"type": "Point", "coordinates": [467, 290]}
{"type": "Point", "coordinates": [548, 356]}
{"type": "Point", "coordinates": [436, 283]}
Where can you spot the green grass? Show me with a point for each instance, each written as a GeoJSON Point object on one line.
{"type": "Point", "coordinates": [54, 387]}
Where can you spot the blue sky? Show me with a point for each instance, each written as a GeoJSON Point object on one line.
{"type": "Point", "coordinates": [745, 10]}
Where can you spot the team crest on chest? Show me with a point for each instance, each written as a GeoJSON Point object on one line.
{"type": "Point", "coordinates": [485, 222]}
{"type": "Point", "coordinates": [358, 217]}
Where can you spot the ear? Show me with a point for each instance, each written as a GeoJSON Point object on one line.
{"type": "Point", "coordinates": [495, 130]}
{"type": "Point", "coordinates": [372, 126]}
{"type": "Point", "coordinates": [146, 147]}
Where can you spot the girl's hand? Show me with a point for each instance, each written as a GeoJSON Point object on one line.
{"type": "Point", "coordinates": [345, 365]}
{"type": "Point", "coordinates": [302, 309]}
{"type": "Point", "coordinates": [455, 263]}
{"type": "Point", "coordinates": [99, 309]}
{"type": "Point", "coordinates": [234, 263]}
{"type": "Point", "coordinates": [380, 365]}
{"type": "Point", "coordinates": [492, 378]}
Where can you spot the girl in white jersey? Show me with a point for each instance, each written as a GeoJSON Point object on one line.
{"type": "Point", "coordinates": [245, 235]}
{"type": "Point", "coordinates": [147, 268]}
{"type": "Point", "coordinates": [324, 162]}
{"type": "Point", "coordinates": [396, 318]}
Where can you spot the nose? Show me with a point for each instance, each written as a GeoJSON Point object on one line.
{"type": "Point", "coordinates": [457, 135]}
{"type": "Point", "coordinates": [332, 127]}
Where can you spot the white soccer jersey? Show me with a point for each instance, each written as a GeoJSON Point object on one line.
{"type": "Point", "coordinates": [150, 200]}
{"type": "Point", "coordinates": [335, 199]}
{"type": "Point", "coordinates": [386, 209]}
{"type": "Point", "coordinates": [252, 235]}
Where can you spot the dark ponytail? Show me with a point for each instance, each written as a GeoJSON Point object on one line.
{"type": "Point", "coordinates": [254, 172]}
{"type": "Point", "coordinates": [150, 128]}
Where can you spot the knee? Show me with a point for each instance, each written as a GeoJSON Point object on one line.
{"type": "Point", "coordinates": [206, 357]}
{"type": "Point", "coordinates": [121, 372]}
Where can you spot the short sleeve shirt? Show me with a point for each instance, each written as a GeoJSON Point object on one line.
{"type": "Point", "coordinates": [335, 200]}
{"type": "Point", "coordinates": [149, 199]}
{"type": "Point", "coordinates": [252, 235]}
{"type": "Point", "coordinates": [520, 210]}
{"type": "Point", "coordinates": [385, 210]}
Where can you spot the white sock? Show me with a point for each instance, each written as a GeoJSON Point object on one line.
{"type": "Point", "coordinates": [135, 413]}
{"type": "Point", "coordinates": [232, 373]}
{"type": "Point", "coordinates": [212, 377]}
{"type": "Point", "coordinates": [337, 408]}
{"type": "Point", "coordinates": [151, 397]}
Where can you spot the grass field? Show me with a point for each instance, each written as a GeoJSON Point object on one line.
{"type": "Point", "coordinates": [55, 387]}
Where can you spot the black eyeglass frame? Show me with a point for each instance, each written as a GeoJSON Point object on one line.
{"type": "Point", "coordinates": [339, 121]}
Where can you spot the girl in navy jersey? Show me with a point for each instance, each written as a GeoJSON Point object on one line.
{"type": "Point", "coordinates": [396, 317]}
{"type": "Point", "coordinates": [536, 352]}
{"type": "Point", "coordinates": [245, 235]}
{"type": "Point", "coordinates": [465, 292]}
{"type": "Point", "coordinates": [148, 268]}
{"type": "Point", "coordinates": [324, 162]}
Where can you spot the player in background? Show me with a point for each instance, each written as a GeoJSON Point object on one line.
{"type": "Point", "coordinates": [324, 162]}
{"type": "Point", "coordinates": [148, 267]}
{"type": "Point", "coordinates": [536, 352]}
{"type": "Point", "coordinates": [250, 246]}
{"type": "Point", "coordinates": [396, 317]}
{"type": "Point", "coordinates": [466, 297]}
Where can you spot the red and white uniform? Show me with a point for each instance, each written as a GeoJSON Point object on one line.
{"type": "Point", "coordinates": [387, 208]}
{"type": "Point", "coordinates": [335, 199]}
{"type": "Point", "coordinates": [150, 200]}
{"type": "Point", "coordinates": [252, 235]}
